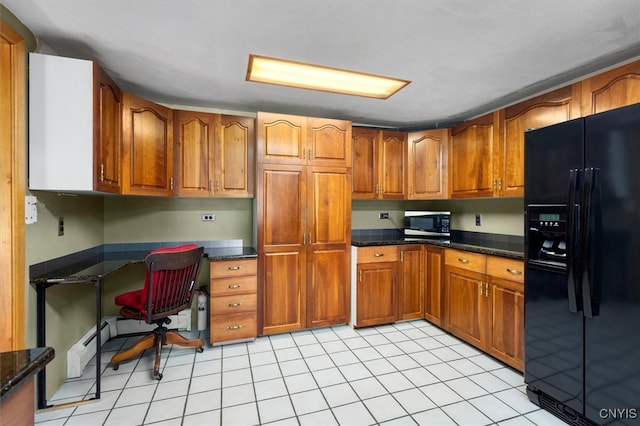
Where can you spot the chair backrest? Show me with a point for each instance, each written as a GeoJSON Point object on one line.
{"type": "Point", "coordinates": [171, 276]}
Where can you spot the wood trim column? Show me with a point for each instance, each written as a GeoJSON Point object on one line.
{"type": "Point", "coordinates": [12, 189]}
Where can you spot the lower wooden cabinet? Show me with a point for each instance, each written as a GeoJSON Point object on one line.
{"type": "Point", "coordinates": [411, 285]}
{"type": "Point", "coordinates": [233, 300]}
{"type": "Point", "coordinates": [484, 301]}
{"type": "Point", "coordinates": [376, 286]}
{"type": "Point", "coordinates": [433, 294]}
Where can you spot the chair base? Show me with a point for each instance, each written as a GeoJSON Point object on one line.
{"type": "Point", "coordinates": [160, 337]}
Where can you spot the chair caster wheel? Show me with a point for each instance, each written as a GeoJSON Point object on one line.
{"type": "Point", "coordinates": [157, 376]}
{"type": "Point", "coordinates": [116, 366]}
{"type": "Point", "coordinates": [200, 349]}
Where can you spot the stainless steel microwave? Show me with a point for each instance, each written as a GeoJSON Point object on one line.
{"type": "Point", "coordinates": [424, 224]}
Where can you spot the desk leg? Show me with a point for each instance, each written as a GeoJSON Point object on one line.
{"type": "Point", "coordinates": [41, 337]}
{"type": "Point", "coordinates": [98, 334]}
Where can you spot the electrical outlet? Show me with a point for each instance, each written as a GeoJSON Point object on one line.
{"type": "Point", "coordinates": [383, 216]}
{"type": "Point", "coordinates": [478, 219]}
{"type": "Point", "coordinates": [208, 217]}
{"type": "Point", "coordinates": [60, 226]}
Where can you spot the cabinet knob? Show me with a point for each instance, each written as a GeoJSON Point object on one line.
{"type": "Point", "coordinates": [514, 271]}
{"type": "Point", "coordinates": [234, 327]}
{"type": "Point", "coordinates": [234, 305]}
{"type": "Point", "coordinates": [378, 254]}
{"type": "Point", "coordinates": [463, 260]}
{"type": "Point", "coordinates": [233, 286]}
{"type": "Point", "coordinates": [233, 268]}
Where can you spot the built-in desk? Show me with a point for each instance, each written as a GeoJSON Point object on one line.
{"type": "Point", "coordinates": [17, 369]}
{"type": "Point", "coordinates": [91, 267]}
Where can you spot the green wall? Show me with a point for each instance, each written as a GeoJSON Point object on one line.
{"type": "Point", "coordinates": [499, 215]}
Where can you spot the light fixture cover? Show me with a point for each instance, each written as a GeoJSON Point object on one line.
{"type": "Point", "coordinates": [302, 75]}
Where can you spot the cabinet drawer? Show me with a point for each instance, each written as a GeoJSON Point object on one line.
{"type": "Point", "coordinates": [224, 305]}
{"type": "Point", "coordinates": [378, 254]}
{"type": "Point", "coordinates": [508, 269]}
{"type": "Point", "coordinates": [475, 262]}
{"type": "Point", "coordinates": [233, 285]}
{"type": "Point", "coordinates": [242, 325]}
{"type": "Point", "coordinates": [233, 268]}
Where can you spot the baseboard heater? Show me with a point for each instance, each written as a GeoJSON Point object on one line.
{"type": "Point", "coordinates": [81, 353]}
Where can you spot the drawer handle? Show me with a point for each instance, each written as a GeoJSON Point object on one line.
{"type": "Point", "coordinates": [234, 286]}
{"type": "Point", "coordinates": [514, 271]}
{"type": "Point", "coordinates": [234, 327]}
{"type": "Point", "coordinates": [463, 260]}
{"type": "Point", "coordinates": [234, 305]}
{"type": "Point", "coordinates": [233, 268]}
{"type": "Point", "coordinates": [378, 254]}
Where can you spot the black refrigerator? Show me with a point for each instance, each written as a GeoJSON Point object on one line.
{"type": "Point", "coordinates": [582, 259]}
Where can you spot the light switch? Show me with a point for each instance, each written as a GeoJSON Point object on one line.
{"type": "Point", "coordinates": [30, 209]}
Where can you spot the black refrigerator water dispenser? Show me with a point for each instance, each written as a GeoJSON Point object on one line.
{"type": "Point", "coordinates": [547, 236]}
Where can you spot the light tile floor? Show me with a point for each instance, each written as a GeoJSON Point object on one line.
{"type": "Point", "coordinates": [407, 373]}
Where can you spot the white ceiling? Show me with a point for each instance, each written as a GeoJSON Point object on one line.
{"type": "Point", "coordinates": [464, 58]}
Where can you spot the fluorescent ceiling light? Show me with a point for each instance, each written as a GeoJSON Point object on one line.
{"type": "Point", "coordinates": [282, 72]}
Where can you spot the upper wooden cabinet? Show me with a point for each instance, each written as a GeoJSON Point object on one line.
{"type": "Point", "coordinates": [75, 113]}
{"type": "Point", "coordinates": [379, 166]}
{"type": "Point", "coordinates": [213, 155]}
{"type": "Point", "coordinates": [551, 108]}
{"type": "Point", "coordinates": [147, 149]}
{"type": "Point", "coordinates": [471, 158]}
{"type": "Point", "coordinates": [234, 160]}
{"type": "Point", "coordinates": [194, 139]}
{"type": "Point", "coordinates": [292, 139]}
{"type": "Point", "coordinates": [612, 89]}
{"type": "Point", "coordinates": [427, 165]}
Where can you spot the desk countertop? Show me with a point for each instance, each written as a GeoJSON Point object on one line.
{"type": "Point", "coordinates": [16, 367]}
{"type": "Point", "coordinates": [98, 264]}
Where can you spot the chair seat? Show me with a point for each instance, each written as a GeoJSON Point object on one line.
{"type": "Point", "coordinates": [132, 299]}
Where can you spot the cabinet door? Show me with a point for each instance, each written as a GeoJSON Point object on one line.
{"type": "Point", "coordinates": [377, 300]}
{"type": "Point", "coordinates": [365, 179]}
{"type": "Point", "coordinates": [282, 139]}
{"type": "Point", "coordinates": [427, 165]}
{"type": "Point", "coordinates": [466, 305]}
{"type": "Point", "coordinates": [612, 89]}
{"type": "Point", "coordinates": [391, 164]}
{"type": "Point", "coordinates": [411, 286]}
{"type": "Point", "coordinates": [329, 246]}
{"type": "Point", "coordinates": [471, 158]}
{"type": "Point", "coordinates": [234, 161]}
{"type": "Point", "coordinates": [434, 261]}
{"type": "Point", "coordinates": [107, 110]}
{"type": "Point", "coordinates": [329, 142]}
{"type": "Point", "coordinates": [506, 341]}
{"type": "Point", "coordinates": [281, 201]}
{"type": "Point", "coordinates": [147, 147]}
{"type": "Point", "coordinates": [194, 135]}
{"type": "Point", "coordinates": [551, 108]}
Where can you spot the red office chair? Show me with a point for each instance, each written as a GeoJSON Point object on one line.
{"type": "Point", "coordinates": [168, 289]}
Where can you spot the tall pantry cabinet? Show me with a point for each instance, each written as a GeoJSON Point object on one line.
{"type": "Point", "coordinates": [304, 221]}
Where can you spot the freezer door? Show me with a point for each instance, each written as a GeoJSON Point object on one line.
{"type": "Point", "coordinates": [611, 276]}
{"type": "Point", "coordinates": [550, 152]}
{"type": "Point", "coordinates": [553, 338]}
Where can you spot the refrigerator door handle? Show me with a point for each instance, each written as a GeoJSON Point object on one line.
{"type": "Point", "coordinates": [573, 240]}
{"type": "Point", "coordinates": [590, 280]}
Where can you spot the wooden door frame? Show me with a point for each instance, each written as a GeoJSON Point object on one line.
{"type": "Point", "coordinates": [12, 189]}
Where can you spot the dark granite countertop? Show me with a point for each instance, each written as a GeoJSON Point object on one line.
{"type": "Point", "coordinates": [488, 248]}
{"type": "Point", "coordinates": [16, 367]}
{"type": "Point", "coordinates": [231, 253]}
{"type": "Point", "coordinates": [95, 264]}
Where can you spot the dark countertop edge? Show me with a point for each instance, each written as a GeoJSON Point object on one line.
{"type": "Point", "coordinates": [459, 246]}
{"type": "Point", "coordinates": [67, 276]}
{"type": "Point", "coordinates": [38, 359]}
